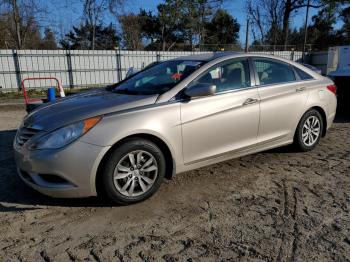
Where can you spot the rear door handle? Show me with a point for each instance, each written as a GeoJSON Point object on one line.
{"type": "Point", "coordinates": [300, 89]}
{"type": "Point", "coordinates": [250, 101]}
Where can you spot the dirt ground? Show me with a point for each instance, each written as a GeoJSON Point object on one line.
{"type": "Point", "coordinates": [273, 206]}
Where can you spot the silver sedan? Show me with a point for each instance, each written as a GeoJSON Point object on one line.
{"type": "Point", "coordinates": [172, 117]}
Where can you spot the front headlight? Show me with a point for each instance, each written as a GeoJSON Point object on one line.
{"type": "Point", "coordinates": [65, 135]}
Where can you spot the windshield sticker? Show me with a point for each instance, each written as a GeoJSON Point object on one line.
{"type": "Point", "coordinates": [176, 76]}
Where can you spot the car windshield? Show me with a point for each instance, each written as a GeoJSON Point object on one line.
{"type": "Point", "coordinates": [159, 78]}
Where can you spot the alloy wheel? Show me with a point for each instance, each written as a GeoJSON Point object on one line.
{"type": "Point", "coordinates": [135, 173]}
{"type": "Point", "coordinates": [311, 131]}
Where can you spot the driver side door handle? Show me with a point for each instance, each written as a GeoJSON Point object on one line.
{"type": "Point", "coordinates": [300, 89]}
{"type": "Point", "coordinates": [250, 101]}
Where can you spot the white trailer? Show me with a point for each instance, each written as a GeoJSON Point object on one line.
{"type": "Point", "coordinates": [338, 68]}
{"type": "Point", "coordinates": [338, 61]}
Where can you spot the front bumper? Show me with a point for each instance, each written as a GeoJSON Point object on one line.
{"type": "Point", "coordinates": [67, 173]}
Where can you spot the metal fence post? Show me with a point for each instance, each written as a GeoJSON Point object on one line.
{"type": "Point", "coordinates": [246, 49]}
{"type": "Point", "coordinates": [158, 56]}
{"type": "Point", "coordinates": [119, 65]}
{"type": "Point", "coordinates": [70, 69]}
{"type": "Point", "coordinates": [17, 69]}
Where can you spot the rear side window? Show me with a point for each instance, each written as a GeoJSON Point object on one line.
{"type": "Point", "coordinates": [303, 75]}
{"type": "Point", "coordinates": [273, 72]}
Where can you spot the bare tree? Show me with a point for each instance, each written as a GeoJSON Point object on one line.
{"type": "Point", "coordinates": [170, 17]}
{"type": "Point", "coordinates": [292, 5]}
{"type": "Point", "coordinates": [17, 21]}
{"type": "Point", "coordinates": [265, 16]}
{"type": "Point", "coordinates": [20, 17]}
{"type": "Point", "coordinates": [198, 13]}
{"type": "Point", "coordinates": [94, 11]}
{"type": "Point", "coordinates": [131, 25]}
{"type": "Point", "coordinates": [272, 17]}
{"type": "Point", "coordinates": [116, 7]}
{"type": "Point", "coordinates": [256, 19]}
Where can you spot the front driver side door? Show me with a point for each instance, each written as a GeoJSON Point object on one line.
{"type": "Point", "coordinates": [226, 121]}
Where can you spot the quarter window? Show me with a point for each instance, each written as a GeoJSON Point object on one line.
{"type": "Point", "coordinates": [227, 76]}
{"type": "Point", "coordinates": [273, 72]}
{"type": "Point", "coordinates": [303, 75]}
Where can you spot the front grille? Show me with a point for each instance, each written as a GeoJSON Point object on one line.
{"type": "Point", "coordinates": [24, 134]}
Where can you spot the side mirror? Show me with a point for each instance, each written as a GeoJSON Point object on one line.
{"type": "Point", "coordinates": [201, 89]}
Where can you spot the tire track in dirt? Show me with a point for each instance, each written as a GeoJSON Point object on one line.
{"type": "Point", "coordinates": [273, 206]}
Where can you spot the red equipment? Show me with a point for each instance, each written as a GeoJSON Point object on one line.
{"type": "Point", "coordinates": [32, 103]}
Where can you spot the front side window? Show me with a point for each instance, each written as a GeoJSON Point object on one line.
{"type": "Point", "coordinates": [273, 72]}
{"type": "Point", "coordinates": [159, 78]}
{"type": "Point", "coordinates": [227, 76]}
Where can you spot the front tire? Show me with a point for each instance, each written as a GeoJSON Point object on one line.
{"type": "Point", "coordinates": [134, 171]}
{"type": "Point", "coordinates": [309, 131]}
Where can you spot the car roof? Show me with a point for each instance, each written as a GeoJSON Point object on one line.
{"type": "Point", "coordinates": [221, 56]}
{"type": "Point", "coordinates": [207, 56]}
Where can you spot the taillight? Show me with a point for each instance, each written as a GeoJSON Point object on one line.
{"type": "Point", "coordinates": [332, 88]}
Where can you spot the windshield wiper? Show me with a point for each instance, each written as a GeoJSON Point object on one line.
{"type": "Point", "coordinates": [123, 91]}
{"type": "Point", "coordinates": [128, 91]}
{"type": "Point", "coordinates": [109, 88]}
{"type": "Point", "coordinates": [140, 92]}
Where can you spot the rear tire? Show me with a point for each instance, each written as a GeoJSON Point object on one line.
{"type": "Point", "coordinates": [133, 171]}
{"type": "Point", "coordinates": [309, 131]}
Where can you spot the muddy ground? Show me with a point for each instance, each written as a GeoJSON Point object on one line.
{"type": "Point", "coordinates": [273, 206]}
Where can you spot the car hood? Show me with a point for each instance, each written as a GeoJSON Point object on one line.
{"type": "Point", "coordinates": [92, 103]}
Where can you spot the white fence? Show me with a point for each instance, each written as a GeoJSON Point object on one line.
{"type": "Point", "coordinates": [82, 68]}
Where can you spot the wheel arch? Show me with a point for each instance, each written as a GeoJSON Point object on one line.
{"type": "Point", "coordinates": [170, 162]}
{"type": "Point", "coordinates": [323, 115]}
{"type": "Point", "coordinates": [324, 118]}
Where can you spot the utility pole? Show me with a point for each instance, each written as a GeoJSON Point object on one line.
{"type": "Point", "coordinates": [305, 30]}
{"type": "Point", "coordinates": [247, 37]}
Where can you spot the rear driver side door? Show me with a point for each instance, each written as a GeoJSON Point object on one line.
{"type": "Point", "coordinates": [224, 122]}
{"type": "Point", "coordinates": [283, 99]}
